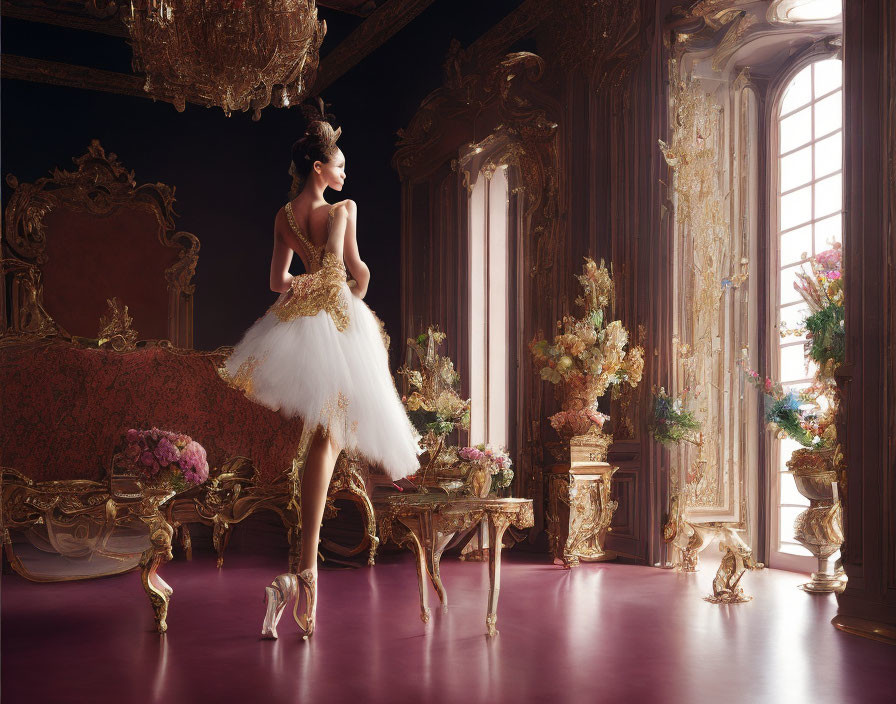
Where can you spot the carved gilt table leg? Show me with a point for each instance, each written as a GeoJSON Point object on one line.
{"type": "Point", "coordinates": [497, 524]}
{"type": "Point", "coordinates": [436, 540]}
{"type": "Point", "coordinates": [356, 487]}
{"type": "Point", "coordinates": [220, 537]}
{"type": "Point", "coordinates": [158, 553]}
{"type": "Point", "coordinates": [186, 542]}
{"type": "Point", "coordinates": [411, 536]}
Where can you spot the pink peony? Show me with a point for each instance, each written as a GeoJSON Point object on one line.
{"type": "Point", "coordinates": [196, 476]}
{"type": "Point", "coordinates": [193, 463]}
{"type": "Point", "coordinates": [147, 458]}
{"type": "Point", "coordinates": [181, 441]}
{"type": "Point", "coordinates": [193, 457]}
{"type": "Point", "coordinates": [166, 453]}
{"type": "Point", "coordinates": [133, 435]}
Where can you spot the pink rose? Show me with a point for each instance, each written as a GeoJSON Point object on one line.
{"type": "Point", "coordinates": [147, 458]}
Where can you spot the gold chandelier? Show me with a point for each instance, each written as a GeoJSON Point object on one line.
{"type": "Point", "coordinates": [236, 54]}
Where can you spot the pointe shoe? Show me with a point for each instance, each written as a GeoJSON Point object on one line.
{"type": "Point", "coordinates": [306, 620]}
{"type": "Point", "coordinates": [276, 597]}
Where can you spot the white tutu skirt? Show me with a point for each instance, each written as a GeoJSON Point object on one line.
{"type": "Point", "coordinates": [338, 380]}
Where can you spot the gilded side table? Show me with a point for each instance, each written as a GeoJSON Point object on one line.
{"type": "Point", "coordinates": [426, 523]}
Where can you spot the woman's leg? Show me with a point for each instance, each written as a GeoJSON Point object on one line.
{"type": "Point", "coordinates": [315, 483]}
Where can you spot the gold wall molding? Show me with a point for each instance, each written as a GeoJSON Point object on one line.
{"type": "Point", "coordinates": [709, 323]}
{"type": "Point", "coordinates": [482, 117]}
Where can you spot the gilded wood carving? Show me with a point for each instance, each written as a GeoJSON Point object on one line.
{"type": "Point", "coordinates": [99, 186]}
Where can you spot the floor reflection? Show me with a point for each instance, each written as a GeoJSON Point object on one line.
{"type": "Point", "coordinates": [618, 631]}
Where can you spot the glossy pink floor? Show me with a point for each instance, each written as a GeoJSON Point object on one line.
{"type": "Point", "coordinates": [602, 632]}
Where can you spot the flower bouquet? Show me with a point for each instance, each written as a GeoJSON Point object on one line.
{"type": "Point", "coordinates": [490, 468]}
{"type": "Point", "coordinates": [822, 290]}
{"type": "Point", "coordinates": [795, 414]}
{"type": "Point", "coordinates": [434, 406]}
{"type": "Point", "coordinates": [164, 460]}
{"type": "Point", "coordinates": [587, 356]}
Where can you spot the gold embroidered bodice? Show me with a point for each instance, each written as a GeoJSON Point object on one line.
{"type": "Point", "coordinates": [319, 289]}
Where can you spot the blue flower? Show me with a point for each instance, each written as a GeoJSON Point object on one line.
{"type": "Point", "coordinates": [791, 402]}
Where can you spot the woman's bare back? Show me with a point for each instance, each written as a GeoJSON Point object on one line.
{"type": "Point", "coordinates": [313, 221]}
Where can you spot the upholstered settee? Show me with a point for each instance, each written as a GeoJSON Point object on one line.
{"type": "Point", "coordinates": [65, 408]}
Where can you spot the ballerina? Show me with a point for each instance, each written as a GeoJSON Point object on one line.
{"type": "Point", "coordinates": [319, 352]}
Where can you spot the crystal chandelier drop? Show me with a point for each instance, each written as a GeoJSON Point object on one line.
{"type": "Point", "coordinates": [236, 54]}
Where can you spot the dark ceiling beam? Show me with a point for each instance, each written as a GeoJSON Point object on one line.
{"type": "Point", "coordinates": [35, 12]}
{"type": "Point", "coordinates": [24, 68]}
{"type": "Point", "coordinates": [114, 27]}
{"type": "Point", "coordinates": [515, 26]}
{"type": "Point", "coordinates": [386, 21]}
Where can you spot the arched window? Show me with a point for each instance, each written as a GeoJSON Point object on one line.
{"type": "Point", "coordinates": [809, 203]}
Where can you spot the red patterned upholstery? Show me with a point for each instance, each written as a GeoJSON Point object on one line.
{"type": "Point", "coordinates": [91, 258]}
{"type": "Point", "coordinates": [64, 409]}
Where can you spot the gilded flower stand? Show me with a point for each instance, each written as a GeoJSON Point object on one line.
{"type": "Point", "coordinates": [579, 505]}
{"type": "Point", "coordinates": [426, 523]}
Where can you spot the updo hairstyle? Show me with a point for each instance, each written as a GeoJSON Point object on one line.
{"type": "Point", "coordinates": [317, 143]}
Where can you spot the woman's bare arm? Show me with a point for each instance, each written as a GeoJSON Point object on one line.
{"type": "Point", "coordinates": [345, 220]}
{"type": "Point", "coordinates": [280, 261]}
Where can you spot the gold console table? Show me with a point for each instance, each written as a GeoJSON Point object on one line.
{"type": "Point", "coordinates": [426, 523]}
